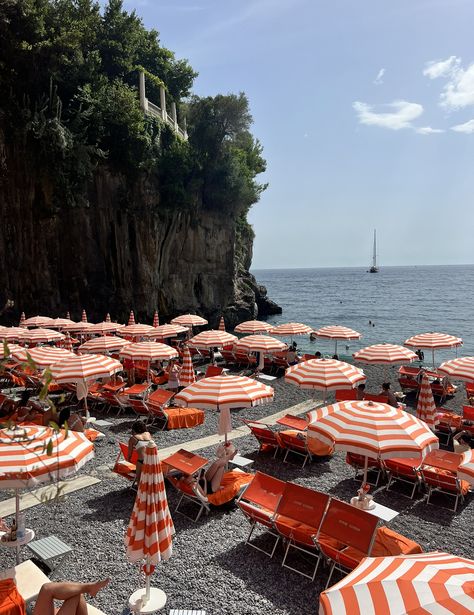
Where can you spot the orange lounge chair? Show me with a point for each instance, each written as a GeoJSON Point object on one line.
{"type": "Point", "coordinates": [259, 503]}
{"type": "Point", "coordinates": [172, 418]}
{"type": "Point", "coordinates": [266, 438]}
{"type": "Point", "coordinates": [346, 394]}
{"type": "Point", "coordinates": [405, 470]}
{"type": "Point", "coordinates": [213, 370]}
{"type": "Point", "coordinates": [345, 528]}
{"type": "Point", "coordinates": [444, 482]}
{"type": "Point", "coordinates": [468, 419]}
{"type": "Point", "coordinates": [228, 357]}
{"type": "Point", "coordinates": [294, 442]}
{"type": "Point", "coordinates": [122, 466]}
{"type": "Point", "coordinates": [358, 463]}
{"type": "Point", "coordinates": [298, 518]}
{"type": "Point", "coordinates": [446, 424]}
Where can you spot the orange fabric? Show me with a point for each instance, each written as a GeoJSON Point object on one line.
{"type": "Point", "coordinates": [350, 525]}
{"type": "Point", "coordinates": [448, 485]}
{"type": "Point", "coordinates": [91, 434]}
{"type": "Point", "coordinates": [265, 491]}
{"type": "Point", "coordinates": [11, 603]}
{"type": "Point", "coordinates": [318, 448]}
{"type": "Point", "coordinates": [52, 387]}
{"type": "Point", "coordinates": [231, 484]}
{"type": "Point", "coordinates": [295, 530]}
{"type": "Point", "coordinates": [181, 418]}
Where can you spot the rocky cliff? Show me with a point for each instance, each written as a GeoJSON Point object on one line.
{"type": "Point", "coordinates": [121, 251]}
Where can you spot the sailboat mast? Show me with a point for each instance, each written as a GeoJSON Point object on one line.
{"type": "Point", "coordinates": [374, 258]}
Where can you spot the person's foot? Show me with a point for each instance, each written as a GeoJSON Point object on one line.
{"type": "Point", "coordinates": [94, 588]}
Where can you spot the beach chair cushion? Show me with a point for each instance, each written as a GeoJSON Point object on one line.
{"type": "Point", "coordinates": [232, 484]}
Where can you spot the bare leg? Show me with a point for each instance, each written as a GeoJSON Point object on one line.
{"type": "Point", "coordinates": [64, 591]}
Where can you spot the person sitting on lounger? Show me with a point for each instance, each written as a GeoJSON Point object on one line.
{"type": "Point", "coordinates": [209, 481]}
{"type": "Point", "coordinates": [72, 595]}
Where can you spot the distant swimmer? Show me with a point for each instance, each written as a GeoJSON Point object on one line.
{"type": "Point", "coordinates": [370, 322]}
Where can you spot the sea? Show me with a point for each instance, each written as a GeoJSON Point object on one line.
{"type": "Point", "coordinates": [388, 306]}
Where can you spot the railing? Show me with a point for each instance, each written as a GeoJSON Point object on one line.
{"type": "Point", "coordinates": [161, 112]}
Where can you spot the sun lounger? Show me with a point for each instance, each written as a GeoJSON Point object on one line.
{"type": "Point", "coordinates": [405, 470]}
{"type": "Point", "coordinates": [266, 438]}
{"type": "Point", "coordinates": [122, 466]}
{"type": "Point", "coordinates": [358, 463]}
{"type": "Point", "coordinates": [294, 442]}
{"type": "Point", "coordinates": [443, 481]}
{"type": "Point", "coordinates": [298, 518]}
{"type": "Point", "coordinates": [259, 503]}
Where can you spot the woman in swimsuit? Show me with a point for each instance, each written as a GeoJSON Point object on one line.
{"type": "Point", "coordinates": [138, 442]}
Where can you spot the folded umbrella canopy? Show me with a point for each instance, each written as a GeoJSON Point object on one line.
{"type": "Point", "coordinates": [156, 319]}
{"type": "Point", "coordinates": [426, 407]}
{"type": "Point", "coordinates": [187, 375]}
{"type": "Point", "coordinates": [222, 324]}
{"type": "Point", "coordinates": [150, 531]}
{"type": "Point", "coordinates": [436, 583]}
{"type": "Point", "coordinates": [131, 319]}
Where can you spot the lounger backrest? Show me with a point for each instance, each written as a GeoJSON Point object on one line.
{"type": "Point", "coordinates": [346, 395]}
{"type": "Point", "coordinates": [265, 491]}
{"type": "Point", "coordinates": [468, 413]}
{"type": "Point", "coordinates": [288, 440]}
{"type": "Point", "coordinates": [303, 504]}
{"type": "Point", "coordinates": [349, 525]}
{"type": "Point", "coordinates": [124, 451]}
{"type": "Point", "coordinates": [160, 397]}
{"type": "Point", "coordinates": [213, 370]}
{"type": "Point", "coordinates": [138, 405]}
{"type": "Point", "coordinates": [399, 469]}
{"type": "Point", "coordinates": [448, 482]}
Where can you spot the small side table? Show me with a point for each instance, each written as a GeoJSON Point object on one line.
{"type": "Point", "coordinates": [49, 550]}
{"type": "Point", "coordinates": [241, 462]}
{"type": "Point", "coordinates": [17, 544]}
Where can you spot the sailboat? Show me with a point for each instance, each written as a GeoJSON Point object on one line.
{"type": "Point", "coordinates": [374, 268]}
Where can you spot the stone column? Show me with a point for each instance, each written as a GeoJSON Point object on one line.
{"type": "Point", "coordinates": [163, 103]}
{"type": "Point", "coordinates": [174, 117]}
{"type": "Point", "coordinates": [141, 87]}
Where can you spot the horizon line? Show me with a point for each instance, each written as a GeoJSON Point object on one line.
{"type": "Point", "coordinates": [361, 266]}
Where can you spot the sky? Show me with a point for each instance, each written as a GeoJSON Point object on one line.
{"type": "Point", "coordinates": [365, 111]}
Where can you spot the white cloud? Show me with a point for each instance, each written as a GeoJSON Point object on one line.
{"type": "Point", "coordinates": [467, 128]}
{"type": "Point", "coordinates": [379, 78]}
{"type": "Point", "coordinates": [441, 68]}
{"type": "Point", "coordinates": [459, 91]}
{"type": "Point", "coordinates": [401, 117]}
{"type": "Point", "coordinates": [427, 130]}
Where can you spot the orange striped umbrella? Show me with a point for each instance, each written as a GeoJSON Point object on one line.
{"type": "Point", "coordinates": [385, 354]}
{"type": "Point", "coordinates": [39, 336]}
{"type": "Point", "coordinates": [156, 319]}
{"type": "Point", "coordinates": [78, 327]}
{"type": "Point", "coordinates": [372, 430]}
{"type": "Point", "coordinates": [437, 583]}
{"type": "Point", "coordinates": [225, 392]}
{"type": "Point", "coordinates": [38, 321]}
{"type": "Point", "coordinates": [461, 368]}
{"type": "Point", "coordinates": [426, 407]}
{"type": "Point", "coordinates": [148, 351]}
{"type": "Point", "coordinates": [68, 315]}
{"type": "Point", "coordinates": [189, 320]}
{"type": "Point", "coordinates": [432, 341]}
{"type": "Point", "coordinates": [212, 339]}
{"type": "Point", "coordinates": [260, 343]}
{"type": "Point", "coordinates": [59, 323]}
{"type": "Point", "coordinates": [187, 375]}
{"type": "Point", "coordinates": [43, 356]}
{"type": "Point", "coordinates": [84, 316]}
{"type": "Point", "coordinates": [24, 458]}
{"type": "Point", "coordinates": [107, 318]}
{"type": "Point", "coordinates": [67, 342]}
{"type": "Point", "coordinates": [253, 326]}
{"type": "Point", "coordinates": [150, 531]}
{"type": "Point", "coordinates": [337, 332]}
{"type": "Point", "coordinates": [324, 375]}
{"type": "Point", "coordinates": [466, 467]}
{"type": "Point", "coordinates": [104, 327]}
{"type": "Point", "coordinates": [22, 320]}
{"type": "Point", "coordinates": [104, 344]}
{"type": "Point", "coordinates": [290, 329]}
{"type": "Point", "coordinates": [222, 324]}
{"type": "Point", "coordinates": [12, 333]}
{"type": "Point", "coordinates": [166, 331]}
{"type": "Point", "coordinates": [136, 331]}
{"type": "Point", "coordinates": [8, 351]}
{"type": "Point", "coordinates": [131, 319]}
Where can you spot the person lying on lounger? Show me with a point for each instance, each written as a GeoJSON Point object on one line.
{"type": "Point", "coordinates": [72, 595]}
{"type": "Point", "coordinates": [209, 481]}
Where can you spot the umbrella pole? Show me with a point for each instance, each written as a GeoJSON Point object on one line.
{"type": "Point", "coordinates": [147, 581]}
{"type": "Point", "coordinates": [432, 352]}
{"type": "Point", "coordinates": [366, 466]}
{"type": "Point", "coordinates": [335, 348]}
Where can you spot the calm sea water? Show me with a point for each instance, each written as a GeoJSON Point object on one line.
{"type": "Point", "coordinates": [400, 301]}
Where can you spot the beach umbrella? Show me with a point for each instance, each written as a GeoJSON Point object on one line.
{"type": "Point", "coordinates": [131, 319]}
{"type": "Point", "coordinates": [166, 331]}
{"type": "Point", "coordinates": [435, 582]}
{"type": "Point", "coordinates": [104, 344]}
{"type": "Point", "coordinates": [148, 351]}
{"type": "Point", "coordinates": [107, 318]}
{"type": "Point", "coordinates": [466, 467]}
{"type": "Point", "coordinates": [38, 321]}
{"type": "Point", "coordinates": [67, 342]}
{"type": "Point", "coordinates": [40, 336]}
{"type": "Point", "coordinates": [385, 354]}
{"type": "Point", "coordinates": [30, 455]}
{"type": "Point", "coordinates": [253, 326]}
{"type": "Point", "coordinates": [13, 334]}
{"type": "Point", "coordinates": [433, 341]}
{"type": "Point", "coordinates": [22, 320]}
{"type": "Point", "coordinates": [78, 327]}
{"type": "Point", "coordinates": [290, 329]}
{"type": "Point", "coordinates": [264, 344]}
{"type": "Point", "coordinates": [187, 375]}
{"type": "Point", "coordinates": [212, 339]}
{"type": "Point", "coordinates": [136, 331]}
{"type": "Point", "coordinates": [222, 324]}
{"type": "Point", "coordinates": [189, 320]}
{"type": "Point", "coordinates": [461, 368]}
{"type": "Point", "coordinates": [43, 356]}
{"type": "Point", "coordinates": [156, 319]}
{"type": "Point", "coordinates": [82, 369]}
{"type": "Point", "coordinates": [59, 323]}
{"type": "Point", "coordinates": [150, 531]}
{"type": "Point", "coordinates": [337, 332]}
{"type": "Point", "coordinates": [104, 327]}
{"type": "Point", "coordinates": [372, 430]}
{"type": "Point", "coordinates": [426, 407]}
{"type": "Point", "coordinates": [225, 392]}
{"type": "Point", "coordinates": [324, 375]}
{"type": "Point", "coordinates": [8, 352]}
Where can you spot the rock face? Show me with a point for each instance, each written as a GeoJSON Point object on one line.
{"type": "Point", "coordinates": [122, 251]}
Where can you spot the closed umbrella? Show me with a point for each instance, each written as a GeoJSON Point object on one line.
{"type": "Point", "coordinates": [264, 344]}
{"type": "Point", "coordinates": [337, 332]}
{"type": "Point", "coordinates": [68, 315]}
{"type": "Point", "coordinates": [107, 318]}
{"type": "Point", "coordinates": [131, 319]}
{"type": "Point", "coordinates": [324, 375]}
{"type": "Point", "coordinates": [83, 316]}
{"type": "Point", "coordinates": [150, 531]}
{"type": "Point", "coordinates": [156, 319]}
{"type": "Point", "coordinates": [222, 324]}
{"type": "Point", "coordinates": [225, 392]}
{"type": "Point", "coordinates": [22, 320]}
{"type": "Point", "coordinates": [31, 455]}
{"type": "Point", "coordinates": [187, 375]}
{"type": "Point", "coordinates": [436, 583]}
{"type": "Point", "coordinates": [253, 326]}
{"type": "Point", "coordinates": [426, 407]}
{"type": "Point", "coordinates": [432, 341]}
{"type": "Point", "coordinates": [67, 342]}
{"type": "Point", "coordinates": [372, 430]}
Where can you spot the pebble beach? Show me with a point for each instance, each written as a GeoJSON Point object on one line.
{"type": "Point", "coordinates": [211, 567]}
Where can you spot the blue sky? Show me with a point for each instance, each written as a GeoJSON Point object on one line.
{"type": "Point", "coordinates": [365, 111]}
